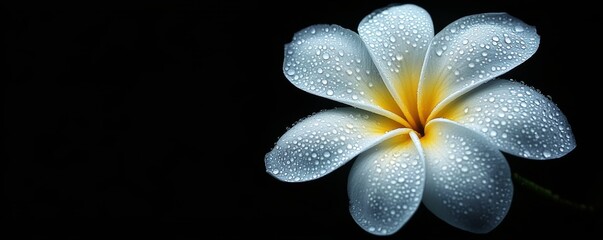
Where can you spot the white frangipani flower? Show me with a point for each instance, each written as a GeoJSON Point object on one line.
{"type": "Point", "coordinates": [428, 119]}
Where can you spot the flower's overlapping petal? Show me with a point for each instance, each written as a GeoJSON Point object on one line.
{"type": "Point", "coordinates": [469, 52]}
{"type": "Point", "coordinates": [398, 38]}
{"type": "Point", "coordinates": [515, 117]}
{"type": "Point", "coordinates": [333, 62]}
{"type": "Point", "coordinates": [386, 185]}
{"type": "Point", "coordinates": [468, 181]}
{"type": "Point", "coordinates": [324, 141]}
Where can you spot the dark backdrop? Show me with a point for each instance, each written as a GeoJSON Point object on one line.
{"type": "Point", "coordinates": [153, 119]}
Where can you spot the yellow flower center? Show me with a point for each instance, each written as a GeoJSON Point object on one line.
{"type": "Point", "coordinates": [414, 114]}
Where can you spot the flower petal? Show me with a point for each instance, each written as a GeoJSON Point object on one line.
{"type": "Point", "coordinates": [515, 117]}
{"type": "Point", "coordinates": [469, 52]}
{"type": "Point", "coordinates": [332, 62]}
{"type": "Point", "coordinates": [397, 38]}
{"type": "Point", "coordinates": [468, 181]}
{"type": "Point", "coordinates": [323, 142]}
{"type": "Point", "coordinates": [386, 185]}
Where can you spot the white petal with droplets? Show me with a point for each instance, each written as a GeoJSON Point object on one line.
{"type": "Point", "coordinates": [323, 142]}
{"type": "Point", "coordinates": [471, 51]}
{"type": "Point", "coordinates": [515, 117]}
{"type": "Point", "coordinates": [333, 62]}
{"type": "Point", "coordinates": [397, 38]}
{"type": "Point", "coordinates": [468, 181]}
{"type": "Point", "coordinates": [386, 185]}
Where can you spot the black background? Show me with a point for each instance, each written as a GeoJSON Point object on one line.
{"type": "Point", "coordinates": [153, 119]}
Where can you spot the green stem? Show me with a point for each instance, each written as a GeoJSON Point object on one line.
{"type": "Point", "coordinates": [547, 193]}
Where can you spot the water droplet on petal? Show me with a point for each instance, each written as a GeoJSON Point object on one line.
{"type": "Point", "coordinates": [330, 92]}
{"type": "Point", "coordinates": [507, 40]}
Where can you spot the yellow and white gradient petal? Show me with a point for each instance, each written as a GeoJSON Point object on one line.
{"type": "Point", "coordinates": [468, 181]}
{"type": "Point", "coordinates": [386, 184]}
{"type": "Point", "coordinates": [397, 38]}
{"type": "Point", "coordinates": [324, 141]}
{"type": "Point", "coordinates": [471, 51]}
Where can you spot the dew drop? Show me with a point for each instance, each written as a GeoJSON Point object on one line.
{"type": "Point", "coordinates": [325, 56]}
{"type": "Point", "coordinates": [290, 72]}
{"type": "Point", "coordinates": [471, 65]}
{"type": "Point", "coordinates": [546, 154]}
{"type": "Point", "coordinates": [326, 154]}
{"type": "Point", "coordinates": [330, 92]}
{"type": "Point", "coordinates": [519, 28]}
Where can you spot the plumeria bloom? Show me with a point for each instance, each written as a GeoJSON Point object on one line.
{"type": "Point", "coordinates": [428, 120]}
